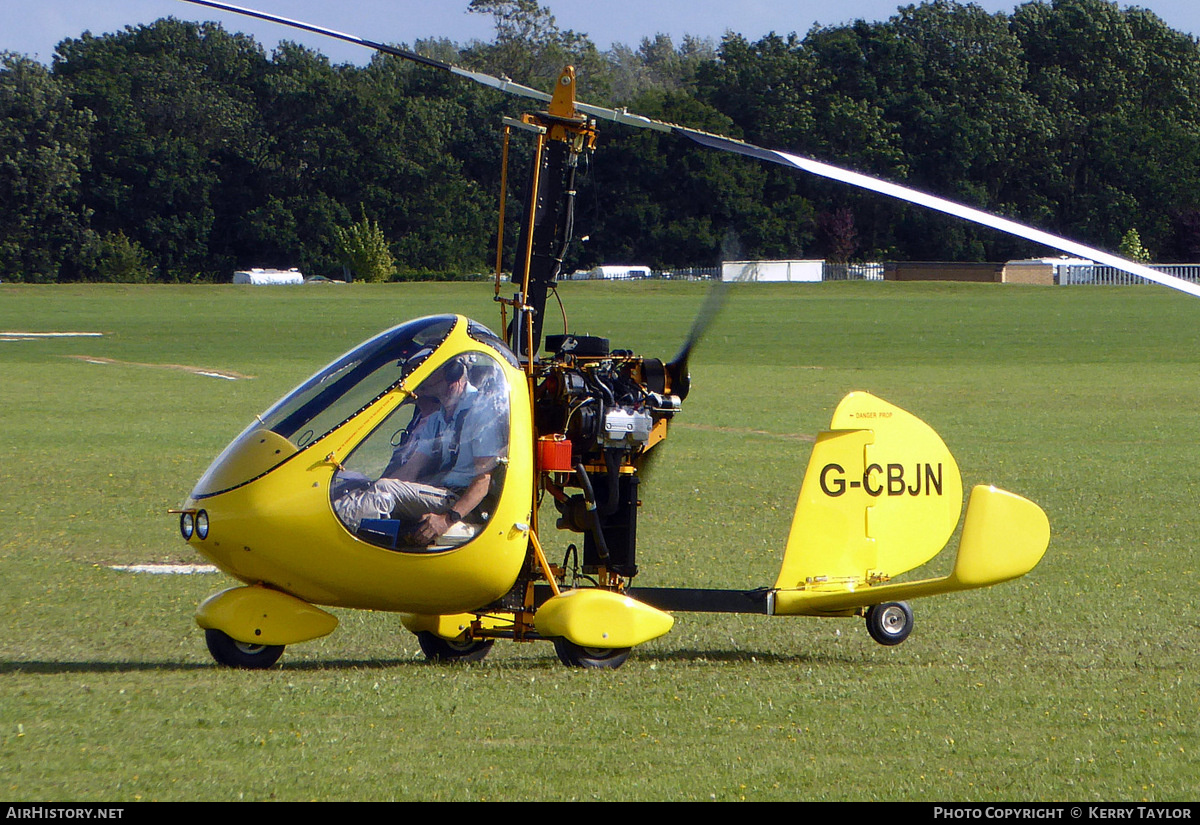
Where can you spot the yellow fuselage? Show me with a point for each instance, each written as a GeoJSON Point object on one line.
{"type": "Point", "coordinates": [279, 529]}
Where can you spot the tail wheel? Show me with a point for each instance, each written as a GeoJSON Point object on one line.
{"type": "Point", "coordinates": [573, 655]}
{"type": "Point", "coordinates": [229, 652]}
{"type": "Point", "coordinates": [437, 649]}
{"type": "Point", "coordinates": [890, 623]}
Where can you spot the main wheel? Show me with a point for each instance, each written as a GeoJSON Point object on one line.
{"type": "Point", "coordinates": [890, 623]}
{"type": "Point", "coordinates": [232, 653]}
{"type": "Point", "coordinates": [573, 655]}
{"type": "Point", "coordinates": [437, 649]}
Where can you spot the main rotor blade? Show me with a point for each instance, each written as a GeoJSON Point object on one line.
{"type": "Point", "coordinates": [727, 144]}
{"type": "Point", "coordinates": [941, 205]}
{"type": "Point", "coordinates": [503, 84]}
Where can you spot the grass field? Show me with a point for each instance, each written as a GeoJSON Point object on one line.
{"type": "Point", "coordinates": [1077, 682]}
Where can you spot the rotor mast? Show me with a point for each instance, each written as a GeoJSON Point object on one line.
{"type": "Point", "coordinates": [563, 134]}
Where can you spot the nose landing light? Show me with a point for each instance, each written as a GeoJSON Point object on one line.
{"type": "Point", "coordinates": [193, 523]}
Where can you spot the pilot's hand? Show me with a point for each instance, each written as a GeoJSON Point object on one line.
{"type": "Point", "coordinates": [430, 527]}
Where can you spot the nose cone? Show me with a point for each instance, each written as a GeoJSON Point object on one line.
{"type": "Point", "coordinates": [250, 455]}
{"type": "Point", "coordinates": [219, 494]}
{"type": "Point", "coordinates": [271, 529]}
{"type": "Point", "coordinates": [196, 526]}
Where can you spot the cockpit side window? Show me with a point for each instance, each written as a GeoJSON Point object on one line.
{"type": "Point", "coordinates": [428, 478]}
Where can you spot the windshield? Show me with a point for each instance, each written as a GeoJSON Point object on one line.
{"type": "Point", "coordinates": [323, 402]}
{"type": "Point", "coordinates": [355, 380]}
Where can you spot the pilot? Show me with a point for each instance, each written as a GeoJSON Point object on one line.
{"type": "Point", "coordinates": [442, 470]}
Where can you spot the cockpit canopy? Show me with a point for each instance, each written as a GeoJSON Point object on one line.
{"type": "Point", "coordinates": [333, 396]}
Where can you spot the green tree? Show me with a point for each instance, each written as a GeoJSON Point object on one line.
{"type": "Point", "coordinates": [1131, 247]}
{"type": "Point", "coordinates": [766, 88]}
{"type": "Point", "coordinates": [365, 250]}
{"type": "Point", "coordinates": [43, 151]}
{"type": "Point", "coordinates": [530, 48]}
{"type": "Point", "coordinates": [944, 84]}
{"type": "Point", "coordinates": [417, 140]}
{"type": "Point", "coordinates": [1125, 92]}
{"type": "Point", "coordinates": [114, 258]}
{"type": "Point", "coordinates": [669, 203]}
{"type": "Point", "coordinates": [304, 174]}
{"type": "Point", "coordinates": [187, 145]}
{"type": "Point", "coordinates": [656, 65]}
{"type": "Point", "coordinates": [176, 107]}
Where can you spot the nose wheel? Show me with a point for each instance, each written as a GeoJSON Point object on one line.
{"type": "Point", "coordinates": [232, 653]}
{"type": "Point", "coordinates": [890, 623]}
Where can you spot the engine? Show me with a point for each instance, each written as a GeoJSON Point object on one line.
{"type": "Point", "coordinates": [598, 412]}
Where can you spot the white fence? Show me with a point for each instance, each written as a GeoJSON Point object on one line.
{"type": "Point", "coordinates": [1064, 275]}
{"type": "Point", "coordinates": [852, 272]}
{"type": "Point", "coordinates": [1111, 276]}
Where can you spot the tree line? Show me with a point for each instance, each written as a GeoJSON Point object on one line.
{"type": "Point", "coordinates": [180, 151]}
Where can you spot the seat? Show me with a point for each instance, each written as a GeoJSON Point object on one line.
{"type": "Point", "coordinates": [389, 533]}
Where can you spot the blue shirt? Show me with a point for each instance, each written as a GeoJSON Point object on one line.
{"type": "Point", "coordinates": [468, 443]}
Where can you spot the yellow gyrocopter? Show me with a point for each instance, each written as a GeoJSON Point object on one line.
{"type": "Point", "coordinates": [405, 476]}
